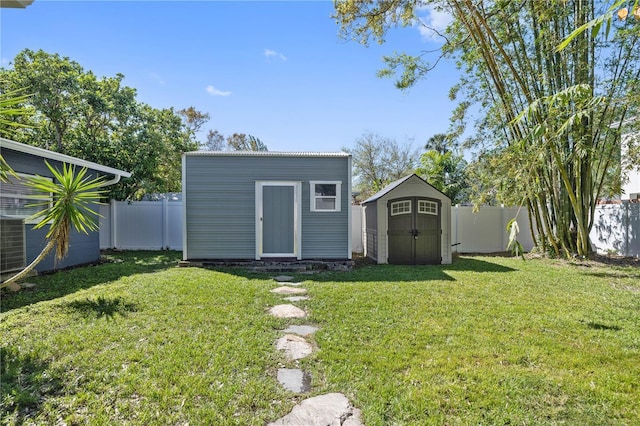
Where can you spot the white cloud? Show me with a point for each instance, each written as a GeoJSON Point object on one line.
{"type": "Point", "coordinates": [432, 19]}
{"type": "Point", "coordinates": [157, 78]}
{"type": "Point", "coordinates": [4, 62]}
{"type": "Point", "coordinates": [268, 53]}
{"type": "Point", "coordinates": [215, 92]}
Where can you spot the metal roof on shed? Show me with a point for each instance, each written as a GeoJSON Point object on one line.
{"type": "Point", "coordinates": [267, 154]}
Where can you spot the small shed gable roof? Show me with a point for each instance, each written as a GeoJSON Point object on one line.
{"type": "Point", "coordinates": [393, 185]}
{"type": "Point", "coordinates": [51, 155]}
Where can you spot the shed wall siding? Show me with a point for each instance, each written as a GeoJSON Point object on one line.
{"type": "Point", "coordinates": [220, 204]}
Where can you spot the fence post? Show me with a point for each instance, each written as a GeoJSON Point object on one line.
{"type": "Point", "coordinates": [626, 223]}
{"type": "Point", "coordinates": [165, 222]}
{"type": "Point", "coordinates": [114, 232]}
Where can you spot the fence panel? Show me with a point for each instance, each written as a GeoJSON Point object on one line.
{"type": "Point", "coordinates": [616, 229]}
{"type": "Point", "coordinates": [357, 224]}
{"type": "Point", "coordinates": [485, 230]}
{"type": "Point", "coordinates": [141, 225]}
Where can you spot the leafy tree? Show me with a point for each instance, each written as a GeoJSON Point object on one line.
{"type": "Point", "coordinates": [10, 109]}
{"type": "Point", "coordinates": [100, 120]}
{"type": "Point", "coordinates": [243, 142]}
{"type": "Point", "coordinates": [440, 143]}
{"type": "Point", "coordinates": [446, 172]}
{"type": "Point", "coordinates": [74, 193]}
{"type": "Point", "coordinates": [215, 141]}
{"type": "Point", "coordinates": [193, 119]}
{"type": "Point", "coordinates": [551, 120]}
{"type": "Point", "coordinates": [378, 161]}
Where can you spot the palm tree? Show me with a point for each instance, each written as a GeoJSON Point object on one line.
{"type": "Point", "coordinates": [73, 196]}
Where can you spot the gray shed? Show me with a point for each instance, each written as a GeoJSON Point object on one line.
{"type": "Point", "coordinates": [408, 222]}
{"type": "Point", "coordinates": [241, 205]}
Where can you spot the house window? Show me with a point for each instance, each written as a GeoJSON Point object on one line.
{"type": "Point", "coordinates": [17, 198]}
{"type": "Point", "coordinates": [325, 196]}
{"type": "Point", "coordinates": [400, 207]}
{"type": "Point", "coordinates": [428, 207]}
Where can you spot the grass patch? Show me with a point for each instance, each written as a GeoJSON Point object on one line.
{"type": "Point", "coordinates": [482, 341]}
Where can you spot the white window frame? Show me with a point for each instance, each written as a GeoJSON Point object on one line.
{"type": "Point", "coordinates": [313, 196]}
{"type": "Point", "coordinates": [404, 203]}
{"type": "Point", "coordinates": [36, 198]}
{"type": "Point", "coordinates": [422, 204]}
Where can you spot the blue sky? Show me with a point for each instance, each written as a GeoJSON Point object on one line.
{"type": "Point", "coordinates": [275, 70]}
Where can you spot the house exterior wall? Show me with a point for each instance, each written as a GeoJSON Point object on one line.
{"type": "Point", "coordinates": [82, 248]}
{"type": "Point", "coordinates": [413, 187]}
{"type": "Point", "coordinates": [219, 203]}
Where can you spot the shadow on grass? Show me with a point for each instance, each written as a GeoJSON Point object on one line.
{"type": "Point", "coordinates": [101, 307]}
{"type": "Point", "coordinates": [635, 275]}
{"type": "Point", "coordinates": [385, 273]}
{"type": "Point", "coordinates": [62, 283]}
{"type": "Point", "coordinates": [25, 383]}
{"type": "Point", "coordinates": [598, 326]}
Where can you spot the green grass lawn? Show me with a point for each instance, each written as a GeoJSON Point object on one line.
{"type": "Point", "coordinates": [483, 341]}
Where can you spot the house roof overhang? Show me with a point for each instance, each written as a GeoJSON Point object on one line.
{"type": "Point", "coordinates": [63, 158]}
{"type": "Point", "coordinates": [15, 4]}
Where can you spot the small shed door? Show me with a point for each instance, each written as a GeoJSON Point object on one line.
{"type": "Point", "coordinates": [414, 231]}
{"type": "Point", "coordinates": [277, 219]}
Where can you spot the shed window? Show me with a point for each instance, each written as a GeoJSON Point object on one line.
{"type": "Point", "coordinates": [17, 198]}
{"type": "Point", "coordinates": [325, 196]}
{"type": "Point", "coordinates": [400, 207]}
{"type": "Point", "coordinates": [428, 207]}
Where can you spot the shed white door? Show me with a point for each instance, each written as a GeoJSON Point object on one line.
{"type": "Point", "coordinates": [278, 216]}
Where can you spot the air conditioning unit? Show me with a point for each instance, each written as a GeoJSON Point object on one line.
{"type": "Point", "coordinates": [634, 196]}
{"type": "Point", "coordinates": [12, 250]}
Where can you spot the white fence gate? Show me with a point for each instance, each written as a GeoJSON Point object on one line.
{"type": "Point", "coordinates": [156, 225]}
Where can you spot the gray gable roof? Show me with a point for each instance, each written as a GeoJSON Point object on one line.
{"type": "Point", "coordinates": [393, 185]}
{"type": "Point", "coordinates": [51, 155]}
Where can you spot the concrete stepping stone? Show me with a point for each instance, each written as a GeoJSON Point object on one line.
{"type": "Point", "coordinates": [289, 290]}
{"type": "Point", "coordinates": [296, 298]}
{"type": "Point", "coordinates": [294, 380]}
{"type": "Point", "coordinates": [332, 409]}
{"type": "Point", "coordinates": [294, 347]}
{"type": "Point", "coordinates": [282, 278]}
{"type": "Point", "coordinates": [301, 330]}
{"type": "Point", "coordinates": [295, 284]}
{"type": "Point", "coordinates": [287, 311]}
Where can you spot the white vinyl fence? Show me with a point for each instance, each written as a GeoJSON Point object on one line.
{"type": "Point", "coordinates": [616, 229]}
{"type": "Point", "coordinates": [141, 225]}
{"type": "Point", "coordinates": [157, 225]}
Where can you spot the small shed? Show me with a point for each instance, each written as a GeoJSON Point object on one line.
{"type": "Point", "coordinates": [20, 243]}
{"type": "Point", "coordinates": [408, 222]}
{"type": "Point", "coordinates": [261, 205]}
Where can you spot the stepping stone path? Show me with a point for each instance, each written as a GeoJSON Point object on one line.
{"type": "Point", "coordinates": [288, 290]}
{"type": "Point", "coordinates": [333, 409]}
{"type": "Point", "coordinates": [301, 330]}
{"type": "Point", "coordinates": [287, 311]}
{"type": "Point", "coordinates": [296, 298]}
{"type": "Point", "coordinates": [294, 380]}
{"type": "Point", "coordinates": [294, 347]}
